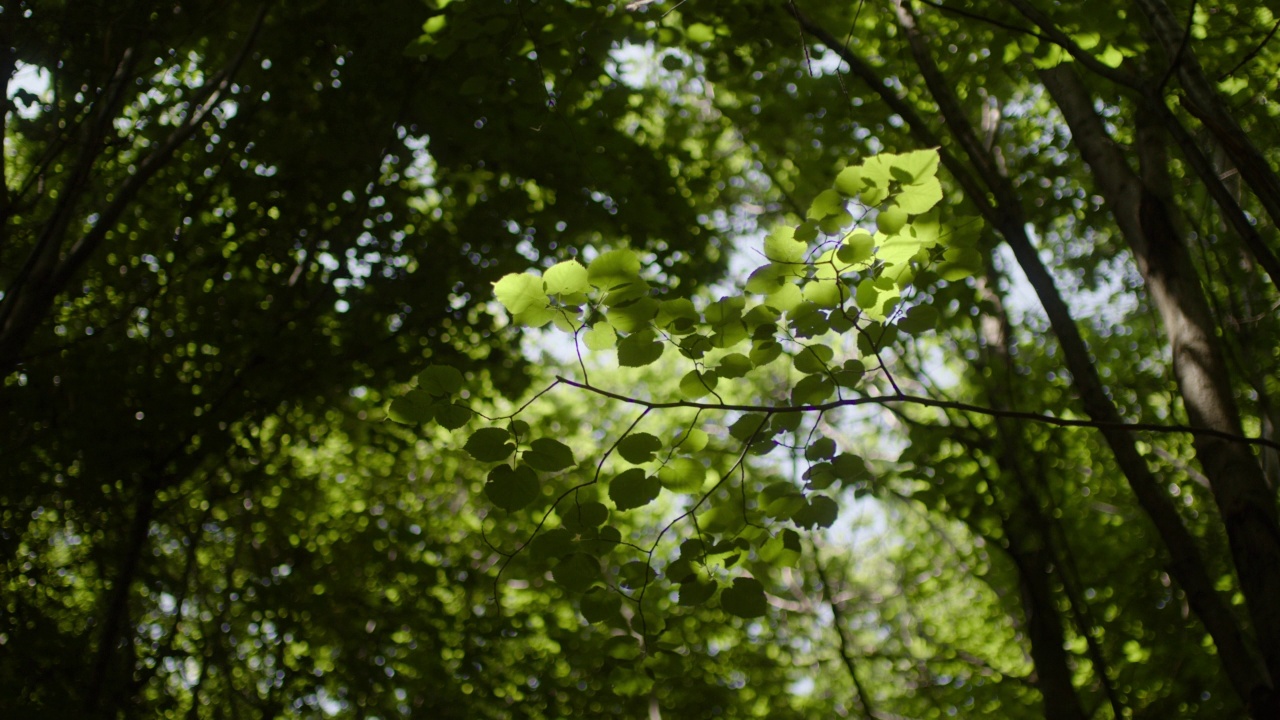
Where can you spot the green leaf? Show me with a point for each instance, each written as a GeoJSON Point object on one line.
{"type": "Point", "coordinates": [639, 349]}
{"type": "Point", "coordinates": [566, 278]}
{"type": "Point", "coordinates": [548, 455]}
{"type": "Point", "coordinates": [700, 33]}
{"type": "Point", "coordinates": [633, 314]}
{"type": "Point", "coordinates": [918, 319]}
{"type": "Point", "coordinates": [512, 489]}
{"type": "Point", "coordinates": [849, 467]}
{"type": "Point", "coordinates": [414, 407]}
{"type": "Point", "coordinates": [734, 365]}
{"type": "Point", "coordinates": [827, 293]}
{"type": "Point", "coordinates": [785, 422]}
{"type": "Point", "coordinates": [615, 270]}
{"type": "Point", "coordinates": [677, 315]}
{"type": "Point", "coordinates": [821, 512]}
{"type": "Point", "coordinates": [580, 516]}
{"type": "Point", "coordinates": [767, 279]}
{"type": "Point", "coordinates": [440, 381]}
{"type": "Point", "coordinates": [781, 500]}
{"type": "Point", "coordinates": [765, 351]}
{"type": "Point", "coordinates": [638, 447]}
{"type": "Point", "coordinates": [745, 428]}
{"type": "Point", "coordinates": [1111, 57]}
{"type": "Point", "coordinates": [826, 204]}
{"type": "Point", "coordinates": [850, 181]}
{"type": "Point", "coordinates": [601, 336]}
{"type": "Point", "coordinates": [891, 220]}
{"type": "Point", "coordinates": [813, 359]}
{"type": "Point", "coordinates": [599, 604]}
{"type": "Point", "coordinates": [850, 374]}
{"type": "Point", "coordinates": [856, 248]}
{"type": "Point", "coordinates": [490, 444]}
{"type": "Point", "coordinates": [577, 572]}
{"type": "Point", "coordinates": [695, 346]}
{"type": "Point", "coordinates": [696, 384]}
{"type": "Point", "coordinates": [780, 246]}
{"type": "Point", "coordinates": [635, 575]}
{"type": "Point", "coordinates": [552, 544]}
{"type": "Point", "coordinates": [523, 296]}
{"type": "Point", "coordinates": [451, 416]}
{"type": "Point", "coordinates": [683, 474]}
{"type": "Point", "coordinates": [605, 540]}
{"type": "Point", "coordinates": [691, 440]}
{"type": "Point", "coordinates": [915, 166]}
{"type": "Point", "coordinates": [785, 298]}
{"type": "Point", "coordinates": [745, 599]}
{"type": "Point", "coordinates": [783, 549]}
{"type": "Point", "coordinates": [633, 489]}
{"type": "Point", "coordinates": [695, 592]}
{"type": "Point", "coordinates": [628, 681]}
{"type": "Point", "coordinates": [812, 390]}
{"type": "Point", "coordinates": [819, 476]}
{"type": "Point", "coordinates": [820, 449]}
{"type": "Point", "coordinates": [919, 197]}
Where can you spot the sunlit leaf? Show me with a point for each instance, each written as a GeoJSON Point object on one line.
{"type": "Point", "coordinates": [683, 474]}
{"type": "Point", "coordinates": [567, 278]}
{"type": "Point", "coordinates": [695, 385]}
{"type": "Point", "coordinates": [780, 246]}
{"type": "Point", "coordinates": [600, 337]}
{"type": "Point", "coordinates": [891, 220]}
{"type": "Point", "coordinates": [523, 296]}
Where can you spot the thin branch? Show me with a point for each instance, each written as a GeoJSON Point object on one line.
{"type": "Point", "coordinates": [900, 398]}
{"type": "Point", "coordinates": [1251, 54]}
{"type": "Point", "coordinates": [1182, 48]}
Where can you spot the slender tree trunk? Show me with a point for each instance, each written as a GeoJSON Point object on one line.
{"type": "Point", "coordinates": [1004, 211]}
{"type": "Point", "coordinates": [1027, 529]}
{"type": "Point", "coordinates": [1145, 219]}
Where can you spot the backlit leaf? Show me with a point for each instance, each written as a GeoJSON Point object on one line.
{"type": "Point", "coordinates": [523, 296]}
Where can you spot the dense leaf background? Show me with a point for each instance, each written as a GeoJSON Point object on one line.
{"type": "Point", "coordinates": [281, 282]}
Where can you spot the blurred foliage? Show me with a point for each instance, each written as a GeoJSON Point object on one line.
{"type": "Point", "coordinates": [232, 232]}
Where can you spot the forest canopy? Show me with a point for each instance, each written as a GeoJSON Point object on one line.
{"type": "Point", "coordinates": [539, 359]}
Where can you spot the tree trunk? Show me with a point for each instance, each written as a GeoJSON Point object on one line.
{"type": "Point", "coordinates": [1144, 218]}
